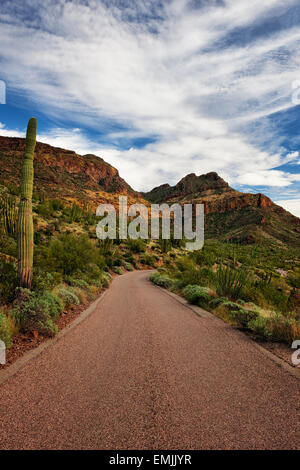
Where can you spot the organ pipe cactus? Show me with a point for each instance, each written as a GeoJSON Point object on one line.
{"type": "Point", "coordinates": [25, 221]}
{"type": "Point", "coordinates": [8, 213]}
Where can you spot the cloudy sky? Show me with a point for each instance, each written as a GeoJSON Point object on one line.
{"type": "Point", "coordinates": [161, 88]}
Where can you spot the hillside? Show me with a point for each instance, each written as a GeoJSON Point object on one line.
{"type": "Point", "coordinates": [230, 214]}
{"type": "Point", "coordinates": [63, 174]}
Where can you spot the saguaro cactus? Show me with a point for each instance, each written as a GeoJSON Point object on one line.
{"type": "Point", "coordinates": [25, 222]}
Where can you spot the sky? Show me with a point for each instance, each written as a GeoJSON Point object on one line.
{"type": "Point", "coordinates": [161, 88]}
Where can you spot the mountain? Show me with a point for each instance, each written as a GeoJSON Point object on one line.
{"type": "Point", "coordinates": [60, 173]}
{"type": "Point", "coordinates": [89, 180]}
{"type": "Point", "coordinates": [229, 214]}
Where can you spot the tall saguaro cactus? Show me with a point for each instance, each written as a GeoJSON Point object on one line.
{"type": "Point", "coordinates": [25, 222]}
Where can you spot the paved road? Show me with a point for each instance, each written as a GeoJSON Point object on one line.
{"type": "Point", "coordinates": [144, 372]}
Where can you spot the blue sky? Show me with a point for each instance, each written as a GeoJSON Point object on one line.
{"type": "Point", "coordinates": [159, 88]}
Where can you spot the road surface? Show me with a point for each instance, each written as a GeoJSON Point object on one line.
{"type": "Point", "coordinates": [145, 372]}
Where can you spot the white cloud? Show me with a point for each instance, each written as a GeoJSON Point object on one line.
{"type": "Point", "coordinates": [91, 64]}
{"type": "Point", "coordinates": [291, 205]}
{"type": "Point", "coordinates": [292, 155]}
{"type": "Point", "coordinates": [10, 132]}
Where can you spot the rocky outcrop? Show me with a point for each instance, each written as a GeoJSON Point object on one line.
{"type": "Point", "coordinates": [230, 214]}
{"type": "Point", "coordinates": [60, 172]}
{"type": "Point", "coordinates": [189, 185]}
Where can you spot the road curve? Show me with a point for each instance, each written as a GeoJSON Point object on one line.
{"type": "Point", "coordinates": [144, 372]}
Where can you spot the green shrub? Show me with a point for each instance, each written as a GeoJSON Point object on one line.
{"type": "Point", "coordinates": [35, 311]}
{"type": "Point", "coordinates": [67, 254]}
{"type": "Point", "coordinates": [190, 274]}
{"type": "Point", "coordinates": [5, 331]}
{"type": "Point", "coordinates": [81, 283]}
{"type": "Point", "coordinates": [8, 282]}
{"type": "Point", "coordinates": [259, 325]}
{"type": "Point", "coordinates": [117, 269]}
{"type": "Point", "coordinates": [136, 246]}
{"type": "Point", "coordinates": [283, 329]}
{"type": "Point", "coordinates": [128, 266]}
{"type": "Point", "coordinates": [243, 317]}
{"type": "Point", "coordinates": [43, 280]}
{"type": "Point", "coordinates": [276, 328]}
{"type": "Point", "coordinates": [147, 259]}
{"type": "Point", "coordinates": [68, 297]}
{"type": "Point", "coordinates": [161, 280]}
{"type": "Point", "coordinates": [106, 278]}
{"type": "Point", "coordinates": [231, 305]}
{"type": "Point", "coordinates": [117, 262]}
{"type": "Point", "coordinates": [215, 302]}
{"type": "Point", "coordinates": [294, 280]}
{"type": "Point", "coordinates": [197, 294]}
{"type": "Point", "coordinates": [96, 282]}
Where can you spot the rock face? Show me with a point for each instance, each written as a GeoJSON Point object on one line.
{"type": "Point", "coordinates": [189, 185]}
{"type": "Point", "coordinates": [63, 173]}
{"type": "Point", "coordinates": [229, 214]}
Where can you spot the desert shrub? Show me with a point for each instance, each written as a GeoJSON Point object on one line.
{"type": "Point", "coordinates": [68, 296]}
{"type": "Point", "coordinates": [259, 325]}
{"type": "Point", "coordinates": [189, 273]}
{"type": "Point", "coordinates": [5, 331]}
{"type": "Point", "coordinates": [105, 279]}
{"type": "Point", "coordinates": [81, 283]}
{"type": "Point", "coordinates": [274, 296]}
{"type": "Point", "coordinates": [100, 261]}
{"type": "Point", "coordinates": [82, 295]}
{"type": "Point", "coordinates": [231, 306]}
{"type": "Point", "coordinates": [35, 311]}
{"type": "Point", "coordinates": [230, 281]}
{"type": "Point", "coordinates": [161, 280]}
{"type": "Point", "coordinates": [129, 258]}
{"type": "Point", "coordinates": [8, 245]}
{"type": "Point", "coordinates": [43, 280]}
{"type": "Point", "coordinates": [203, 257]}
{"type": "Point", "coordinates": [128, 266]}
{"type": "Point", "coordinates": [56, 204]}
{"type": "Point", "coordinates": [67, 254]}
{"type": "Point", "coordinates": [136, 246]}
{"type": "Point", "coordinates": [215, 302]}
{"type": "Point", "coordinates": [117, 262]}
{"type": "Point", "coordinates": [197, 294]}
{"type": "Point", "coordinates": [117, 269]}
{"type": "Point", "coordinates": [106, 246]}
{"type": "Point", "coordinates": [8, 281]}
{"type": "Point", "coordinates": [243, 317]}
{"type": "Point", "coordinates": [97, 282]}
{"type": "Point", "coordinates": [277, 328]}
{"type": "Point", "coordinates": [147, 259]}
{"type": "Point", "coordinates": [294, 280]}
{"type": "Point", "coordinates": [44, 209]}
{"type": "Point", "coordinates": [177, 284]}
{"type": "Point", "coordinates": [283, 329]}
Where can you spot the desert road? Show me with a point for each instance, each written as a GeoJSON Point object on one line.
{"type": "Point", "coordinates": [144, 371]}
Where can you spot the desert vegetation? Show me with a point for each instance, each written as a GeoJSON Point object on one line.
{"type": "Point", "coordinates": [51, 261]}
{"type": "Point", "coordinates": [251, 287]}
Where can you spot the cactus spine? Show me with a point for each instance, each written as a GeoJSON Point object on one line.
{"type": "Point", "coordinates": [25, 222]}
